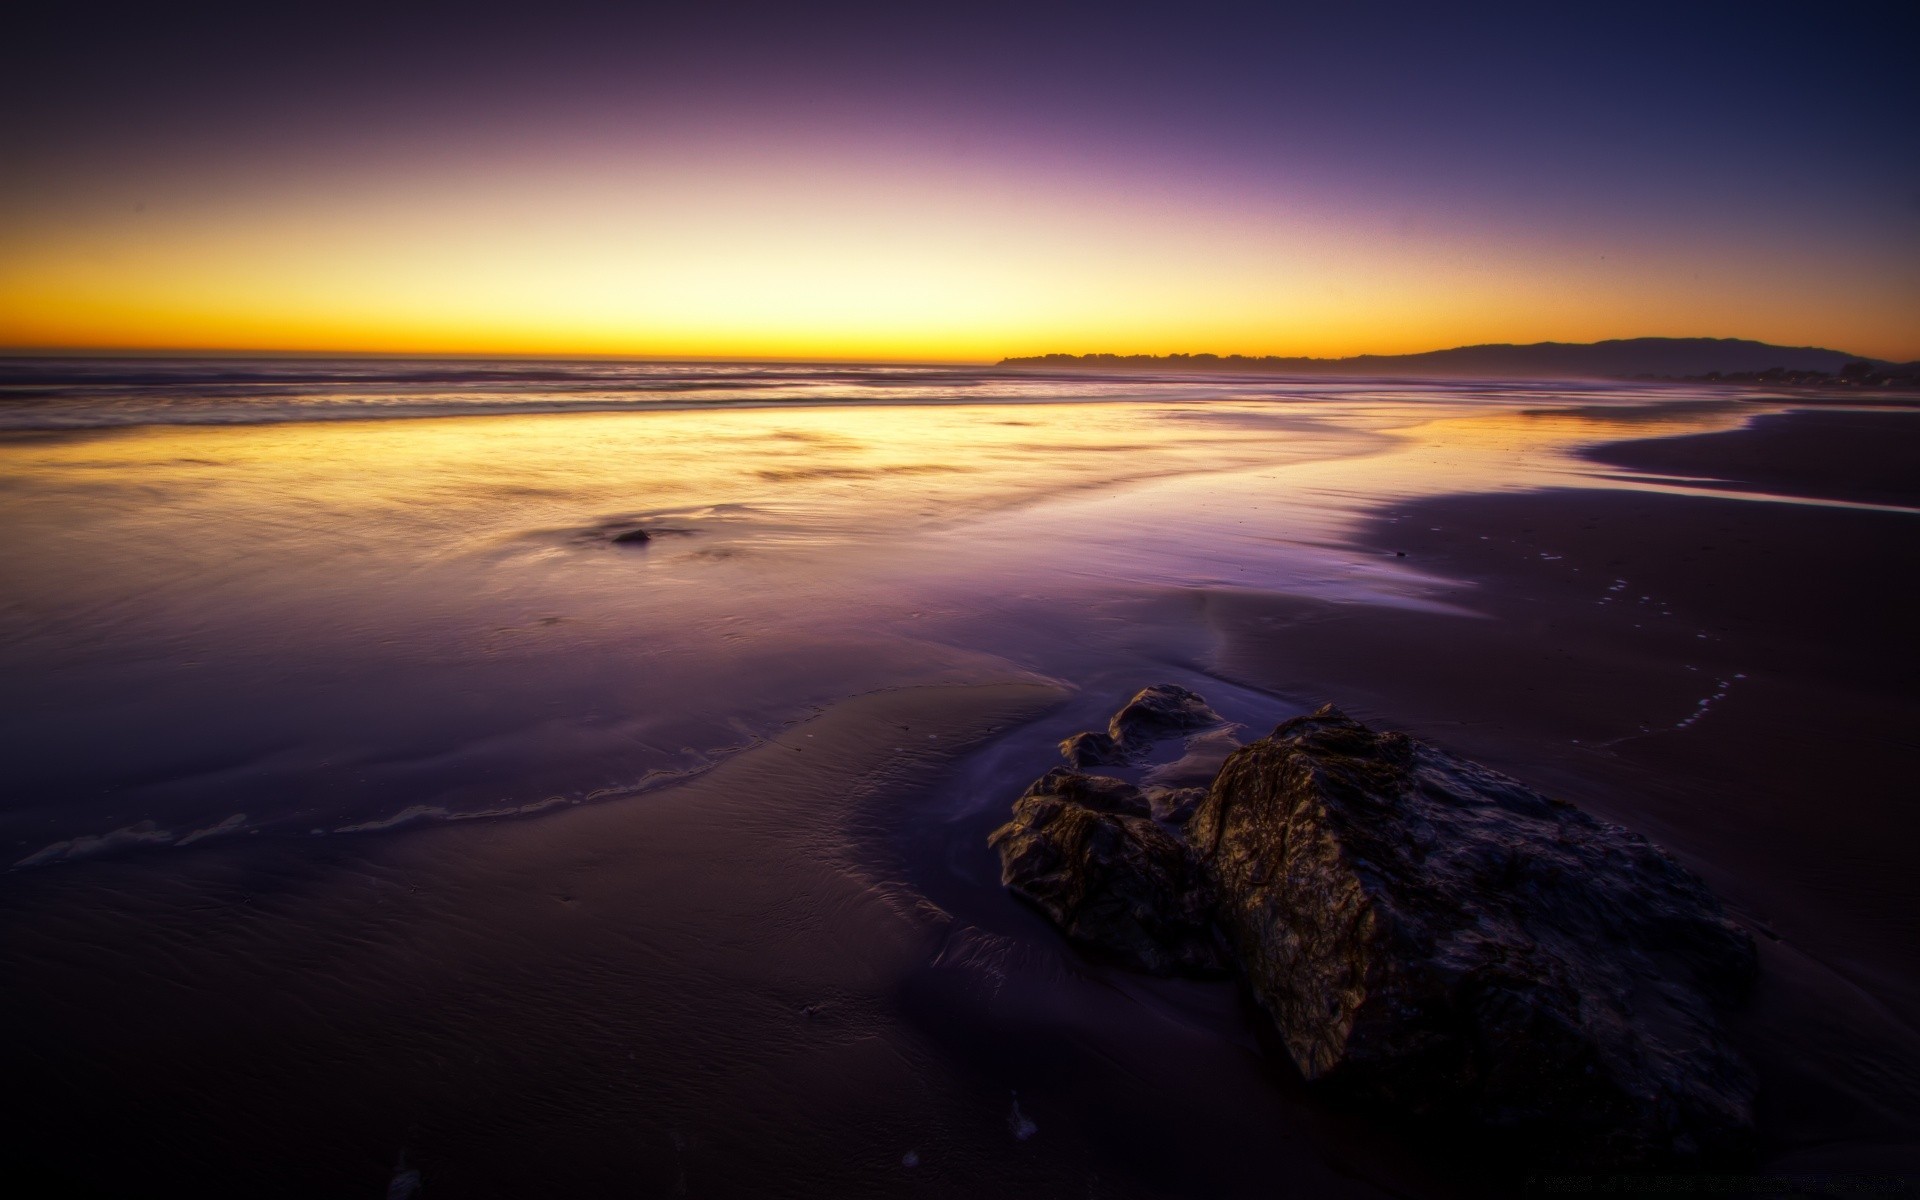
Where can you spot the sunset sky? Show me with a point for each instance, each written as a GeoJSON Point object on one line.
{"type": "Point", "coordinates": [957, 181]}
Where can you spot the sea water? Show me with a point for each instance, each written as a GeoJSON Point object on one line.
{"type": "Point", "coordinates": [338, 597]}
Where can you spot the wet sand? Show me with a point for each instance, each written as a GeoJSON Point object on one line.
{"type": "Point", "coordinates": [708, 994]}
{"type": "Point", "coordinates": [1864, 457]}
{"type": "Point", "coordinates": [1733, 678]}
{"type": "Point", "coordinates": [795, 973]}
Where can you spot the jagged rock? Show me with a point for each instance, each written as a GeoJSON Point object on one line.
{"type": "Point", "coordinates": [1433, 935]}
{"type": "Point", "coordinates": [1152, 714]}
{"type": "Point", "coordinates": [1084, 850]}
{"type": "Point", "coordinates": [1091, 750]}
{"type": "Point", "coordinates": [632, 537]}
{"type": "Point", "coordinates": [1158, 711]}
{"type": "Point", "coordinates": [1175, 806]}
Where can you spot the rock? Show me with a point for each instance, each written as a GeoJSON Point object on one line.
{"type": "Point", "coordinates": [1152, 714]}
{"type": "Point", "coordinates": [1158, 711]}
{"type": "Point", "coordinates": [1175, 806]}
{"type": "Point", "coordinates": [1091, 750]}
{"type": "Point", "coordinates": [1084, 850]}
{"type": "Point", "coordinates": [632, 537]}
{"type": "Point", "coordinates": [1432, 935]}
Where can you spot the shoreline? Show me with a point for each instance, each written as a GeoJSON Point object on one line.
{"type": "Point", "coordinates": [1790, 454]}
{"type": "Point", "coordinates": [465, 990]}
{"type": "Point", "coordinates": [1790, 621]}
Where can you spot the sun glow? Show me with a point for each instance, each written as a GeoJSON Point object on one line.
{"type": "Point", "coordinates": [778, 254]}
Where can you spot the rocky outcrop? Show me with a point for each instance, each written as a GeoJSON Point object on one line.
{"type": "Point", "coordinates": [1154, 713]}
{"type": "Point", "coordinates": [1092, 749]}
{"type": "Point", "coordinates": [1428, 934]}
{"type": "Point", "coordinates": [1085, 851]}
{"type": "Point", "coordinates": [1174, 805]}
{"type": "Point", "coordinates": [1158, 712]}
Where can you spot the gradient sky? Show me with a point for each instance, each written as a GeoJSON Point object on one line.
{"type": "Point", "coordinates": [957, 182]}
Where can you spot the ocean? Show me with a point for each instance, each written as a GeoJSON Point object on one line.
{"type": "Point", "coordinates": [383, 592]}
{"type": "Point", "coordinates": [373, 808]}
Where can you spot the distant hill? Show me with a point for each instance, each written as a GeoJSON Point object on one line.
{"type": "Point", "coordinates": [1669, 358]}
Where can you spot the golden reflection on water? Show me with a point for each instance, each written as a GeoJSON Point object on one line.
{"type": "Point", "coordinates": [135, 509]}
{"type": "Point", "coordinates": [666, 459]}
{"type": "Point", "coordinates": [1503, 449]}
{"type": "Point", "coordinates": [378, 615]}
{"type": "Point", "coordinates": [511, 471]}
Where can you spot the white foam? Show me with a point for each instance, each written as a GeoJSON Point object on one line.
{"type": "Point", "coordinates": [144, 833]}
{"type": "Point", "coordinates": [232, 824]}
{"type": "Point", "coordinates": [406, 816]}
{"type": "Point", "coordinates": [440, 812]}
{"type": "Point", "coordinates": [1721, 688]}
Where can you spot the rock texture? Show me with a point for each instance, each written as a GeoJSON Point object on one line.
{"type": "Point", "coordinates": [1424, 933]}
{"type": "Point", "coordinates": [1092, 750]}
{"type": "Point", "coordinates": [1154, 713]}
{"type": "Point", "coordinates": [1174, 805]}
{"type": "Point", "coordinates": [1084, 850]}
{"type": "Point", "coordinates": [1432, 934]}
{"type": "Point", "coordinates": [1158, 711]}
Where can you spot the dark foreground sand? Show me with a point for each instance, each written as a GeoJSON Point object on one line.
{"type": "Point", "coordinates": [708, 994]}
{"type": "Point", "coordinates": [1865, 457]}
{"type": "Point", "coordinates": [797, 975]}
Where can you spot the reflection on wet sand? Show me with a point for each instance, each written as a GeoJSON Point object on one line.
{"type": "Point", "coordinates": [221, 603]}
{"type": "Point", "coordinates": [367, 748]}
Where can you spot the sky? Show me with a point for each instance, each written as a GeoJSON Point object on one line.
{"type": "Point", "coordinates": [956, 182]}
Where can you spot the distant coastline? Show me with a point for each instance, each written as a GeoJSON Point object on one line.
{"type": "Point", "coordinates": [1701, 360]}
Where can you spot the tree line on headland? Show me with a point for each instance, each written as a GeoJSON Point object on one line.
{"type": "Point", "coordinates": [1706, 360]}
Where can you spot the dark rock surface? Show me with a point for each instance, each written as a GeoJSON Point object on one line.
{"type": "Point", "coordinates": [1084, 850]}
{"type": "Point", "coordinates": [1425, 933]}
{"type": "Point", "coordinates": [1158, 711]}
{"type": "Point", "coordinates": [1428, 933]}
{"type": "Point", "coordinates": [1175, 806]}
{"type": "Point", "coordinates": [1092, 750]}
{"type": "Point", "coordinates": [632, 537]}
{"type": "Point", "coordinates": [1154, 713]}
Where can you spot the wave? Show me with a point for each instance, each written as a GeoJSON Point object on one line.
{"type": "Point", "coordinates": [43, 395]}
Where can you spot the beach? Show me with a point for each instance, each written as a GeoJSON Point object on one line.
{"type": "Point", "coordinates": [373, 810]}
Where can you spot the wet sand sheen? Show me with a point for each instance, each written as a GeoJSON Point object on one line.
{"type": "Point", "coordinates": [366, 618]}
{"type": "Point", "coordinates": [705, 991]}
{"type": "Point", "coordinates": [300, 1009]}
{"type": "Point", "coordinates": [627, 978]}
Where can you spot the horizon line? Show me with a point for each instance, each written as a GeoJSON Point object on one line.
{"type": "Point", "coordinates": [241, 352]}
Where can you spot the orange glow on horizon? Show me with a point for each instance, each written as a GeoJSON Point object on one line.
{"type": "Point", "coordinates": [856, 261]}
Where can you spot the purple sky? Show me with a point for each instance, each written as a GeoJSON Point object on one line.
{"type": "Point", "coordinates": [961, 181]}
